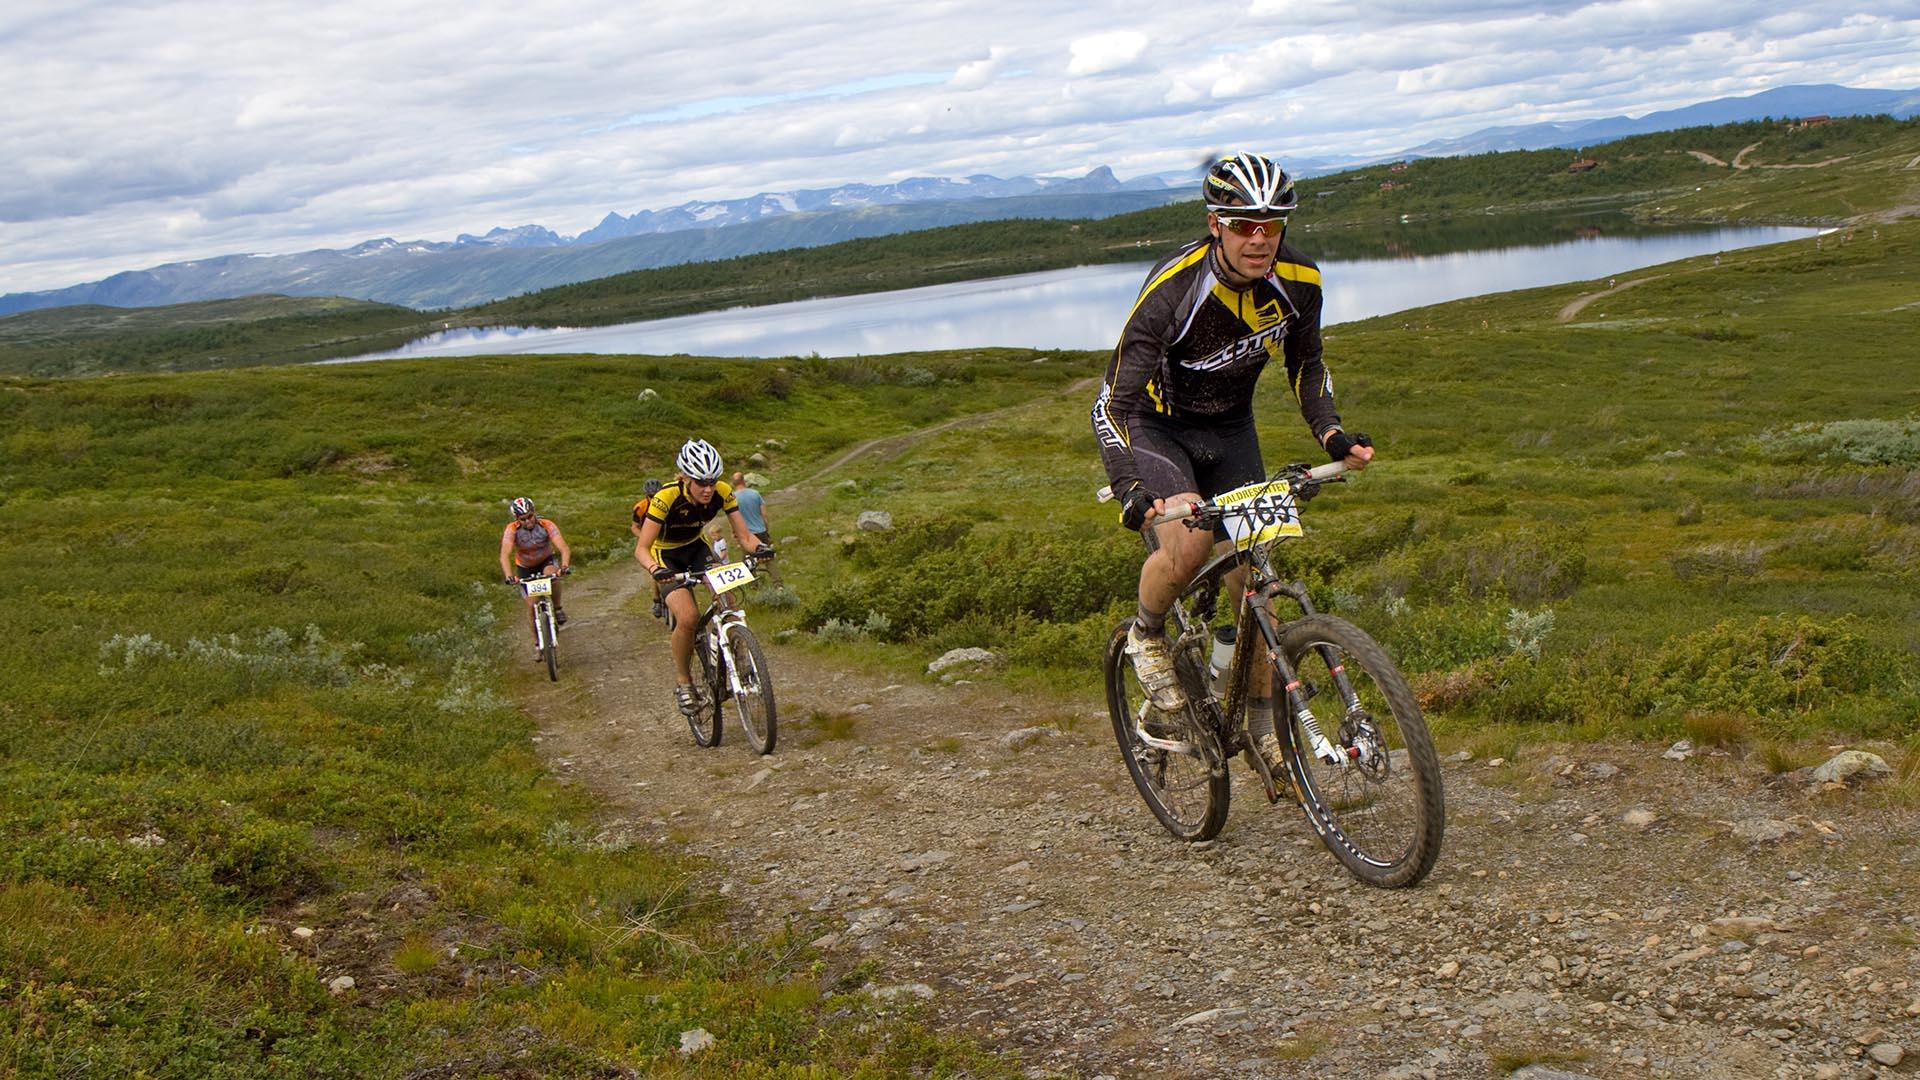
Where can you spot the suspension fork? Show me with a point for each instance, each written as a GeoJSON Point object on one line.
{"type": "Point", "coordinates": [1295, 692]}
{"type": "Point", "coordinates": [1297, 591]}
{"type": "Point", "coordinates": [723, 621]}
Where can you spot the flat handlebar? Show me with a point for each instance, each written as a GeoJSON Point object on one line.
{"type": "Point", "coordinates": [1319, 473]}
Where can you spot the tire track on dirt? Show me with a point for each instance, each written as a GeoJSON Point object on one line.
{"type": "Point", "coordinates": [888, 447]}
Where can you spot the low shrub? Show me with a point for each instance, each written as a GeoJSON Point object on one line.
{"type": "Point", "coordinates": [1769, 665]}
{"type": "Point", "coordinates": [1858, 442]}
{"type": "Point", "coordinates": [1718, 563]}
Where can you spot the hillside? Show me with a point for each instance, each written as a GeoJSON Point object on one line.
{"type": "Point", "coordinates": [271, 687]}
{"type": "Point", "coordinates": [1850, 170]}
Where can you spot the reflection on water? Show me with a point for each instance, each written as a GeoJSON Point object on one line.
{"type": "Point", "coordinates": [1083, 308]}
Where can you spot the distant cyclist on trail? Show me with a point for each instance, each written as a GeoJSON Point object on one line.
{"type": "Point", "coordinates": [1174, 417]}
{"type": "Point", "coordinates": [530, 547]}
{"type": "Point", "coordinates": [670, 544]}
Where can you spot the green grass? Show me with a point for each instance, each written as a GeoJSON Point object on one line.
{"type": "Point", "coordinates": [1721, 526]}
{"type": "Point", "coordinates": [257, 671]}
{"type": "Point", "coordinates": [254, 684]}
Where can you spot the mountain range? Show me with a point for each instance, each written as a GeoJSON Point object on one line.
{"type": "Point", "coordinates": [473, 269]}
{"type": "Point", "coordinates": [501, 262]}
{"type": "Point", "coordinates": [1780, 102]}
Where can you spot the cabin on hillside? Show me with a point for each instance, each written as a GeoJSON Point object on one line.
{"type": "Point", "coordinates": [1398, 166]}
{"type": "Point", "coordinates": [1810, 121]}
{"type": "Point", "coordinates": [1585, 164]}
{"type": "Point", "coordinates": [1388, 185]}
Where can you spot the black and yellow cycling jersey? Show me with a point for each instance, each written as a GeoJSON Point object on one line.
{"type": "Point", "coordinates": [680, 518]}
{"type": "Point", "coordinates": [1194, 347]}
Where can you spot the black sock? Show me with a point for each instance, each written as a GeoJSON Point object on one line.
{"type": "Point", "coordinates": [1150, 623]}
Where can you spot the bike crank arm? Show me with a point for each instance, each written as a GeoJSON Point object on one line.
{"type": "Point", "coordinates": [1171, 746]}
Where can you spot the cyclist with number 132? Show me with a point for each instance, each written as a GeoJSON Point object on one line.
{"type": "Point", "coordinates": [1174, 416]}
{"type": "Point", "coordinates": [670, 544]}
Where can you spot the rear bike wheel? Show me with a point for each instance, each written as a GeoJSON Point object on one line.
{"type": "Point", "coordinates": [753, 701]}
{"type": "Point", "coordinates": [1185, 786]}
{"type": "Point", "coordinates": [705, 719]}
{"type": "Point", "coordinates": [1378, 805]}
{"type": "Point", "coordinates": [552, 648]}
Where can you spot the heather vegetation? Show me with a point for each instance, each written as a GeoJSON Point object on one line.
{"type": "Point", "coordinates": [256, 685]}
{"type": "Point", "coordinates": [1697, 498]}
{"type": "Point", "coordinates": [260, 679]}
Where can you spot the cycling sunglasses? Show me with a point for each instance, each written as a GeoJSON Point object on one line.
{"type": "Point", "coordinates": [1244, 226]}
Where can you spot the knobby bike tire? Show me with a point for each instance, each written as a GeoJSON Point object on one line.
{"type": "Point", "coordinates": [753, 702]}
{"type": "Point", "coordinates": [705, 721]}
{"type": "Point", "coordinates": [1384, 823]}
{"type": "Point", "coordinates": [552, 650]}
{"type": "Point", "coordinates": [1188, 793]}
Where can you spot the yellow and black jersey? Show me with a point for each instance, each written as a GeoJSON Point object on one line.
{"type": "Point", "coordinates": [1193, 348]}
{"type": "Point", "coordinates": [680, 518]}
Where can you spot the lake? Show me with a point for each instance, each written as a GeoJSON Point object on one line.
{"type": "Point", "coordinates": [1082, 308]}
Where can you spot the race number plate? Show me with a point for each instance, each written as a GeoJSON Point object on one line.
{"type": "Point", "coordinates": [730, 576]}
{"type": "Point", "coordinates": [1259, 512]}
{"type": "Point", "coordinates": [538, 586]}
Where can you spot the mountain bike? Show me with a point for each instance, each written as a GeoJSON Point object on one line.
{"type": "Point", "coordinates": [731, 663]}
{"type": "Point", "coordinates": [1349, 745]}
{"type": "Point", "coordinates": [546, 632]}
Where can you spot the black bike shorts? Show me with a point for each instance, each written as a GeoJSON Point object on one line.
{"type": "Point", "coordinates": [693, 558]}
{"type": "Point", "coordinates": [1172, 457]}
{"type": "Point", "coordinates": [537, 569]}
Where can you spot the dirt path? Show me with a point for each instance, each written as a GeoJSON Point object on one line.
{"type": "Point", "coordinates": [1011, 881]}
{"type": "Point", "coordinates": [1578, 305]}
{"type": "Point", "coordinates": [892, 446]}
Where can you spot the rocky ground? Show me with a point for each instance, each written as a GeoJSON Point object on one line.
{"type": "Point", "coordinates": [1598, 911]}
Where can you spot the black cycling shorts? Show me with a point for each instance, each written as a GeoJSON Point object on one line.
{"type": "Point", "coordinates": [693, 558]}
{"type": "Point", "coordinates": [537, 569]}
{"type": "Point", "coordinates": [1172, 457]}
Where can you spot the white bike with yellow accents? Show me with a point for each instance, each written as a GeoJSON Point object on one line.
{"type": "Point", "coordinates": [732, 667]}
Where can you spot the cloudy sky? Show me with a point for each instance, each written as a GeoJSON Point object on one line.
{"type": "Point", "coordinates": [137, 133]}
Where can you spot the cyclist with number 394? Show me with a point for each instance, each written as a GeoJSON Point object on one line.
{"type": "Point", "coordinates": [1174, 416]}
{"type": "Point", "coordinates": [670, 544]}
{"type": "Point", "coordinates": [531, 546]}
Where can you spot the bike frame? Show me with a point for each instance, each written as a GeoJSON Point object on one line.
{"type": "Point", "coordinates": [1254, 611]}
{"type": "Point", "coordinates": [715, 623]}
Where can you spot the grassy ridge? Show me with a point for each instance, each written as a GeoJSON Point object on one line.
{"type": "Point", "coordinates": [258, 684]}
{"type": "Point", "coordinates": [1694, 506]}
{"type": "Point", "coordinates": [258, 680]}
{"type": "Point", "coordinates": [93, 340]}
{"type": "Point", "coordinates": [1851, 168]}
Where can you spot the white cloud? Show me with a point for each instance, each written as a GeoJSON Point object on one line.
{"type": "Point", "coordinates": [162, 131]}
{"type": "Point", "coordinates": [1102, 53]}
{"type": "Point", "coordinates": [978, 73]}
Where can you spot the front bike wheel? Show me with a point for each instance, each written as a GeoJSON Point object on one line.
{"type": "Point", "coordinates": [552, 649]}
{"type": "Point", "coordinates": [753, 701]}
{"type": "Point", "coordinates": [1185, 785]}
{"type": "Point", "coordinates": [1370, 783]}
{"type": "Point", "coordinates": [705, 720]}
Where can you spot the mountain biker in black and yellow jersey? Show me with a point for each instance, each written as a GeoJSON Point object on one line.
{"type": "Point", "coordinates": [670, 544]}
{"type": "Point", "coordinates": [1174, 416]}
